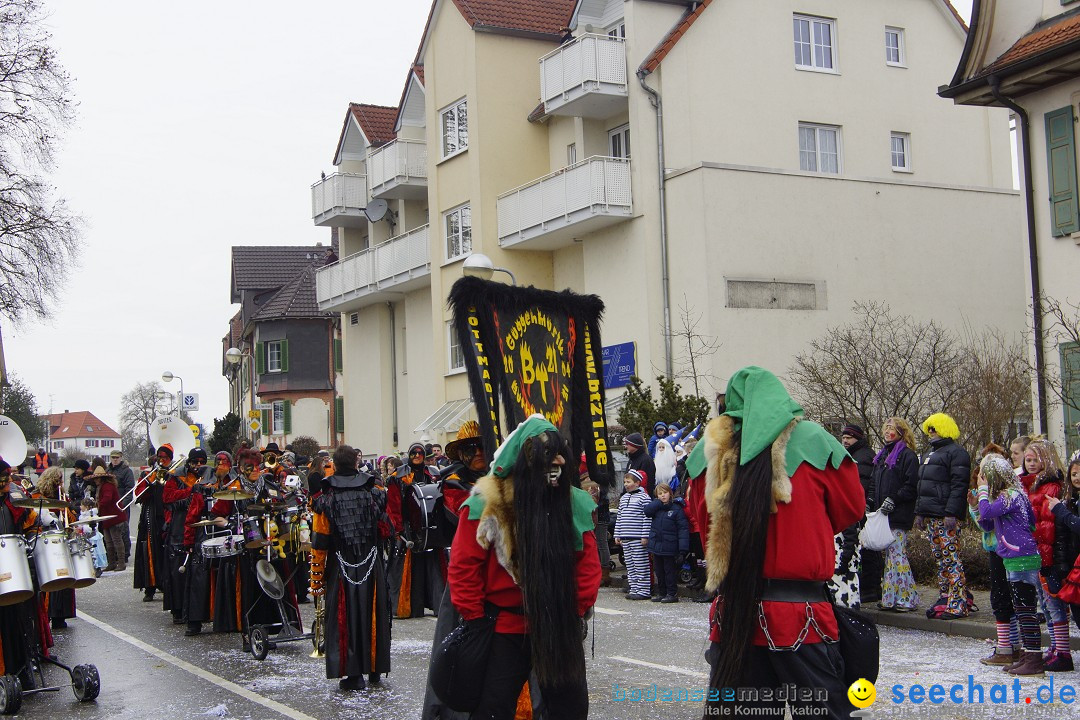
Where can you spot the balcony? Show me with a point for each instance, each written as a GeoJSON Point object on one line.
{"type": "Point", "coordinates": [550, 212]}
{"type": "Point", "coordinates": [398, 170]}
{"type": "Point", "coordinates": [585, 78]}
{"type": "Point", "coordinates": [379, 274]}
{"type": "Point", "coordinates": [338, 200]}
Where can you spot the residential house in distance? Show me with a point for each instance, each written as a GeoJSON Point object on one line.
{"type": "Point", "coordinates": [768, 164]}
{"type": "Point", "coordinates": [82, 431]}
{"type": "Point", "coordinates": [291, 354]}
{"type": "Point", "coordinates": [1024, 55]}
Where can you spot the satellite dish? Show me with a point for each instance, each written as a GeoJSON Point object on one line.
{"type": "Point", "coordinates": [376, 210]}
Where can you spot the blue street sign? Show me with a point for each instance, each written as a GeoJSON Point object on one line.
{"type": "Point", "coordinates": [620, 363]}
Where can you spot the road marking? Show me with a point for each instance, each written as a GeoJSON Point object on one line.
{"type": "Point", "coordinates": [608, 611]}
{"type": "Point", "coordinates": [667, 668]}
{"type": "Point", "coordinates": [198, 671]}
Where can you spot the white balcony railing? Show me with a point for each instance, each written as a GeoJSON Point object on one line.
{"type": "Point", "coordinates": [590, 64]}
{"type": "Point", "coordinates": [338, 193]}
{"type": "Point", "coordinates": [401, 162]}
{"type": "Point", "coordinates": [386, 266]}
{"type": "Point", "coordinates": [596, 186]}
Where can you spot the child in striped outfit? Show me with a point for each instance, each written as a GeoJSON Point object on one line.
{"type": "Point", "coordinates": [632, 533]}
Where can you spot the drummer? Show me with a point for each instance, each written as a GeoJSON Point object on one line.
{"type": "Point", "coordinates": [417, 578]}
{"type": "Point", "coordinates": [60, 603]}
{"type": "Point", "coordinates": [15, 643]}
{"type": "Point", "coordinates": [176, 495]}
{"type": "Point", "coordinates": [225, 586]}
{"type": "Point", "coordinates": [199, 569]}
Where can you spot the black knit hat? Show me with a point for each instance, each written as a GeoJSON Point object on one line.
{"type": "Point", "coordinates": [197, 454]}
{"type": "Point", "coordinates": [854, 431]}
{"type": "Point", "coordinates": [83, 465]}
{"type": "Point", "coordinates": [634, 439]}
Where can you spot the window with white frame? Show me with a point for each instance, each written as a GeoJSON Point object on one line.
{"type": "Point", "coordinates": [901, 151]}
{"type": "Point", "coordinates": [279, 417]}
{"type": "Point", "coordinates": [619, 142]}
{"type": "Point", "coordinates": [815, 43]}
{"type": "Point", "coordinates": [819, 148]}
{"type": "Point", "coordinates": [455, 354]}
{"type": "Point", "coordinates": [273, 356]}
{"type": "Point", "coordinates": [458, 223]}
{"type": "Point", "coordinates": [571, 154]}
{"type": "Point", "coordinates": [894, 46]}
{"type": "Point", "coordinates": [618, 31]}
{"type": "Point", "coordinates": [454, 122]}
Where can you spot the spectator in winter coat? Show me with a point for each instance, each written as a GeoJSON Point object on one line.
{"type": "Point", "coordinates": [943, 482]}
{"type": "Point", "coordinates": [77, 485]}
{"type": "Point", "coordinates": [669, 541]}
{"type": "Point", "coordinates": [632, 533]}
{"type": "Point", "coordinates": [847, 585]}
{"type": "Point", "coordinates": [894, 484]}
{"type": "Point", "coordinates": [125, 482]}
{"type": "Point", "coordinates": [660, 430]}
{"type": "Point", "coordinates": [1067, 541]}
{"type": "Point", "coordinates": [638, 459]}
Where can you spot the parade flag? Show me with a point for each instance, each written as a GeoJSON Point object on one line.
{"type": "Point", "coordinates": [535, 351]}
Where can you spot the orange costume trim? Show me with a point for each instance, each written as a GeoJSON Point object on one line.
{"type": "Point", "coordinates": [404, 604]}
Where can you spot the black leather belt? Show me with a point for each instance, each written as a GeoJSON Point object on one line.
{"type": "Point", "coordinates": [798, 591]}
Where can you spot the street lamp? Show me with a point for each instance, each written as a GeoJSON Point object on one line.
{"type": "Point", "coordinates": [168, 377]}
{"type": "Point", "coordinates": [480, 265]}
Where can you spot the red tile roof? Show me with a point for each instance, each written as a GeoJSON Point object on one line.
{"type": "Point", "coordinates": [296, 299]}
{"type": "Point", "coordinates": [377, 121]}
{"type": "Point", "coordinates": [539, 16]}
{"type": "Point", "coordinates": [1061, 31]}
{"type": "Point", "coordinates": [82, 424]}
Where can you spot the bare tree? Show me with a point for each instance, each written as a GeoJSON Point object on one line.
{"type": "Point", "coordinates": [39, 235]}
{"type": "Point", "coordinates": [885, 365]}
{"type": "Point", "coordinates": [1061, 327]}
{"type": "Point", "coordinates": [697, 348]}
{"type": "Point", "coordinates": [138, 408]}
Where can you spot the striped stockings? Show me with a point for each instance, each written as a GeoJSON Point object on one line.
{"type": "Point", "coordinates": [1059, 638]}
{"type": "Point", "coordinates": [637, 565]}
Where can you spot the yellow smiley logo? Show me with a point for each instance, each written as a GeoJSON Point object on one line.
{"type": "Point", "coordinates": [862, 693]}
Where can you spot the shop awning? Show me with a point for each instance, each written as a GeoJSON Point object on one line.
{"type": "Point", "coordinates": [447, 418]}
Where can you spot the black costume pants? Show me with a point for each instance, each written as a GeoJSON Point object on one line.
{"type": "Point", "coordinates": [1000, 593]}
{"type": "Point", "coordinates": [813, 665]}
{"type": "Point", "coordinates": [667, 575]}
{"type": "Point", "coordinates": [870, 574]}
{"type": "Point", "coordinates": [509, 665]}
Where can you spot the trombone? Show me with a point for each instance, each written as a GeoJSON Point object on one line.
{"type": "Point", "coordinates": [155, 476]}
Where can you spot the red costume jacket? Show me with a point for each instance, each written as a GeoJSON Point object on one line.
{"type": "Point", "coordinates": [799, 546]}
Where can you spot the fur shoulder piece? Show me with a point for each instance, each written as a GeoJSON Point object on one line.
{"type": "Point", "coordinates": [722, 456]}
{"type": "Point", "coordinates": [496, 527]}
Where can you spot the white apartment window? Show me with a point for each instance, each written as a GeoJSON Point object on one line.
{"type": "Point", "coordinates": [571, 154]}
{"type": "Point", "coordinates": [456, 355]}
{"type": "Point", "coordinates": [455, 128]}
{"type": "Point", "coordinates": [619, 142]}
{"type": "Point", "coordinates": [279, 417]}
{"type": "Point", "coordinates": [619, 31]}
{"type": "Point", "coordinates": [458, 232]}
{"type": "Point", "coordinates": [815, 43]}
{"type": "Point", "coordinates": [819, 148]}
{"type": "Point", "coordinates": [108, 443]}
{"type": "Point", "coordinates": [58, 444]}
{"type": "Point", "coordinates": [273, 356]}
{"type": "Point", "coordinates": [901, 151]}
{"type": "Point", "coordinates": [894, 46]}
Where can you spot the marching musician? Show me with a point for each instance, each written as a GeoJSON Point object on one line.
{"type": "Point", "coordinates": [60, 603]}
{"type": "Point", "coordinates": [176, 494]}
{"type": "Point", "coordinates": [199, 569]}
{"type": "Point", "coordinates": [348, 574]}
{"type": "Point", "coordinates": [149, 550]}
{"type": "Point", "coordinates": [228, 615]}
{"type": "Point", "coordinates": [417, 578]}
{"type": "Point", "coordinates": [21, 624]}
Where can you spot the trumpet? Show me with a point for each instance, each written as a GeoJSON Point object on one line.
{"type": "Point", "coordinates": [157, 475]}
{"type": "Point", "coordinates": [318, 628]}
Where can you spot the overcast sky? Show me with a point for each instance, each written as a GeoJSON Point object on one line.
{"type": "Point", "coordinates": [201, 126]}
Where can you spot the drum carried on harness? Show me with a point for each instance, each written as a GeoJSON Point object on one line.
{"type": "Point", "coordinates": [222, 546]}
{"type": "Point", "coordinates": [52, 560]}
{"type": "Point", "coordinates": [16, 585]}
{"type": "Point", "coordinates": [82, 561]}
{"type": "Point", "coordinates": [419, 506]}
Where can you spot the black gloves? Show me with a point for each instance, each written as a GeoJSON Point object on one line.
{"type": "Point", "coordinates": [887, 507]}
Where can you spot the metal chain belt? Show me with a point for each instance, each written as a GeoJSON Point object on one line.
{"type": "Point", "coordinates": [369, 561]}
{"type": "Point", "coordinates": [811, 621]}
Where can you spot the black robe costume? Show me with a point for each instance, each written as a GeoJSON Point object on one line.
{"type": "Point", "coordinates": [149, 548]}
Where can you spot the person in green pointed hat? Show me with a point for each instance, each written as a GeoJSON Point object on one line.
{"type": "Point", "coordinates": [525, 551]}
{"type": "Point", "coordinates": [778, 488]}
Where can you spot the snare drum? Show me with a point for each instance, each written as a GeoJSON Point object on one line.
{"type": "Point", "coordinates": [53, 562]}
{"type": "Point", "coordinates": [15, 582]}
{"type": "Point", "coordinates": [82, 562]}
{"type": "Point", "coordinates": [253, 533]}
{"type": "Point", "coordinates": [222, 546]}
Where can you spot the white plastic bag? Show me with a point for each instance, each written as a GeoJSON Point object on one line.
{"type": "Point", "coordinates": [876, 534]}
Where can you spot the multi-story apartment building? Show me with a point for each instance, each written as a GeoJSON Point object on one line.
{"type": "Point", "coordinates": [1024, 55]}
{"type": "Point", "coordinates": [771, 163]}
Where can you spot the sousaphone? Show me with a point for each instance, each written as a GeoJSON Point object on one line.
{"type": "Point", "coordinates": [13, 447]}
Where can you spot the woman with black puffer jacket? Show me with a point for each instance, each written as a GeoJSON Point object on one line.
{"type": "Point", "coordinates": [894, 485]}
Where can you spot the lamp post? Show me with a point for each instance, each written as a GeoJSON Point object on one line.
{"type": "Point", "coordinates": [235, 357]}
{"type": "Point", "coordinates": [480, 265]}
{"type": "Point", "coordinates": [168, 377]}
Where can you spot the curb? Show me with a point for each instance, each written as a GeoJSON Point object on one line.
{"type": "Point", "coordinates": [978, 629]}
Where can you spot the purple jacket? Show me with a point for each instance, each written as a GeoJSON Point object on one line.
{"type": "Point", "coordinates": [1011, 518]}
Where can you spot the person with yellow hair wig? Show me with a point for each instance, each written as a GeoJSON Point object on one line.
{"type": "Point", "coordinates": [944, 472]}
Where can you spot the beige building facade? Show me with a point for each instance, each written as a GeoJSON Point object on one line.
{"type": "Point", "coordinates": [808, 164]}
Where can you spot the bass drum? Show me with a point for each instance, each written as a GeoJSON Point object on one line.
{"type": "Point", "coordinates": [16, 585]}
{"type": "Point", "coordinates": [419, 507]}
{"type": "Point", "coordinates": [53, 562]}
{"type": "Point", "coordinates": [82, 562]}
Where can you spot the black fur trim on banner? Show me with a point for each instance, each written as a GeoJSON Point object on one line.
{"type": "Point", "coordinates": [532, 350]}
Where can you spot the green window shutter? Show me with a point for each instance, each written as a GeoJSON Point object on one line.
{"type": "Point", "coordinates": [1061, 168]}
{"type": "Point", "coordinates": [260, 358]}
{"type": "Point", "coordinates": [337, 355]}
{"type": "Point", "coordinates": [267, 421]}
{"type": "Point", "coordinates": [1070, 386]}
{"type": "Point", "coordinates": [284, 356]}
{"type": "Point", "coordinates": [339, 414]}
{"type": "Point", "coordinates": [287, 408]}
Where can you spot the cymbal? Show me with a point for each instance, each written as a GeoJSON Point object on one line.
{"type": "Point", "coordinates": [202, 523]}
{"type": "Point", "coordinates": [40, 503]}
{"type": "Point", "coordinates": [91, 521]}
{"type": "Point", "coordinates": [233, 495]}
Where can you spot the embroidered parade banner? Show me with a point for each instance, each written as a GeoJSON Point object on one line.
{"type": "Point", "coordinates": [536, 351]}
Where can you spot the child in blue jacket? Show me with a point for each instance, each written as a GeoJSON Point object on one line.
{"type": "Point", "coordinates": [669, 541]}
